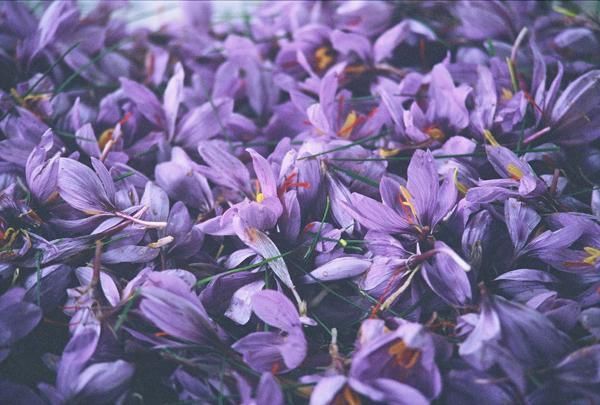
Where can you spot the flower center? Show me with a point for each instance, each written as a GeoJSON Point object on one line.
{"type": "Point", "coordinates": [506, 94]}
{"type": "Point", "coordinates": [435, 133]}
{"type": "Point", "coordinates": [347, 397]}
{"type": "Point", "coordinates": [593, 255]}
{"type": "Point", "coordinates": [324, 57]}
{"type": "Point", "coordinates": [351, 121]}
{"type": "Point", "coordinates": [406, 203]}
{"type": "Point", "coordinates": [403, 355]}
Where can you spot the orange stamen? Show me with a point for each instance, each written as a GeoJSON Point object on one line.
{"type": "Point", "coordinates": [275, 367]}
{"type": "Point", "coordinates": [403, 355]}
{"type": "Point", "coordinates": [514, 172]}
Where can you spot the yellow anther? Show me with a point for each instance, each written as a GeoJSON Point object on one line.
{"type": "Point", "coordinates": [514, 171]}
{"type": "Point", "coordinates": [461, 187]}
{"type": "Point", "coordinates": [343, 242]}
{"type": "Point", "coordinates": [490, 138]}
{"type": "Point", "coordinates": [23, 101]}
{"type": "Point", "coordinates": [324, 57]}
{"type": "Point", "coordinates": [348, 397]}
{"type": "Point", "coordinates": [506, 94]}
{"type": "Point", "coordinates": [594, 255]}
{"type": "Point", "coordinates": [15, 94]}
{"type": "Point", "coordinates": [260, 197]}
{"type": "Point", "coordinates": [349, 123]}
{"type": "Point", "coordinates": [404, 355]}
{"type": "Point", "coordinates": [355, 69]}
{"type": "Point", "coordinates": [408, 200]}
{"type": "Point", "coordinates": [105, 137]}
{"type": "Point", "coordinates": [388, 152]}
{"type": "Point", "coordinates": [435, 133]}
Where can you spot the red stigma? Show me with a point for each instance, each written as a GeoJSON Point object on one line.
{"type": "Point", "coordinates": [125, 118]}
{"type": "Point", "coordinates": [289, 183]}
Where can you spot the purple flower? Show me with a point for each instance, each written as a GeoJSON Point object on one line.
{"type": "Point", "coordinates": [274, 351]}
{"type": "Point", "coordinates": [406, 354]}
{"type": "Point", "coordinates": [17, 318]}
{"type": "Point", "coordinates": [80, 379]}
{"type": "Point", "coordinates": [512, 336]}
{"type": "Point", "coordinates": [415, 208]}
{"type": "Point", "coordinates": [163, 293]}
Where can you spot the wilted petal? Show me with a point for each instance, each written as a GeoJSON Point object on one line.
{"type": "Point", "coordinates": [240, 307]}
{"type": "Point", "coordinates": [172, 98]}
{"type": "Point", "coordinates": [265, 247]}
{"type": "Point", "coordinates": [338, 269]}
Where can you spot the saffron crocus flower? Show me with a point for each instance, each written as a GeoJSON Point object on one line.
{"type": "Point", "coordinates": [521, 221]}
{"type": "Point", "coordinates": [390, 360]}
{"type": "Point", "coordinates": [338, 383]}
{"type": "Point", "coordinates": [17, 318]}
{"type": "Point", "coordinates": [498, 111]}
{"type": "Point", "coordinates": [81, 379]}
{"type": "Point", "coordinates": [574, 377]}
{"type": "Point", "coordinates": [441, 269]}
{"type": "Point", "coordinates": [280, 351]}
{"type": "Point", "coordinates": [414, 209]}
{"type": "Point", "coordinates": [93, 192]}
{"type": "Point", "coordinates": [524, 284]}
{"type": "Point", "coordinates": [495, 337]}
{"type": "Point", "coordinates": [182, 182]}
{"type": "Point", "coordinates": [313, 42]}
{"type": "Point", "coordinates": [160, 294]}
{"type": "Point", "coordinates": [246, 71]}
{"type": "Point", "coordinates": [333, 117]}
{"type": "Point", "coordinates": [518, 178]}
{"type": "Point", "coordinates": [444, 115]}
{"type": "Point", "coordinates": [568, 118]}
{"type": "Point", "coordinates": [41, 171]}
{"type": "Point", "coordinates": [267, 390]}
{"type": "Point", "coordinates": [262, 213]}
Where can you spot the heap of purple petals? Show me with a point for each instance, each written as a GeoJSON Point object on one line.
{"type": "Point", "coordinates": [323, 201]}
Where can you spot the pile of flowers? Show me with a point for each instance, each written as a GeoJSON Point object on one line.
{"type": "Point", "coordinates": [334, 202]}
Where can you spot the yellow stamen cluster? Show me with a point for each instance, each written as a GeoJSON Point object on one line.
{"type": "Point", "coordinates": [384, 153]}
{"type": "Point", "coordinates": [593, 255]}
{"type": "Point", "coordinates": [349, 124]}
{"type": "Point", "coordinates": [347, 397]}
{"type": "Point", "coordinates": [435, 133]}
{"type": "Point", "coordinates": [105, 137]}
{"type": "Point", "coordinates": [355, 69]}
{"type": "Point", "coordinates": [408, 200]}
{"type": "Point", "coordinates": [324, 57]}
{"type": "Point", "coordinates": [506, 94]}
{"type": "Point", "coordinates": [23, 101]}
{"type": "Point", "coordinates": [490, 138]}
{"type": "Point", "coordinates": [461, 187]}
{"type": "Point", "coordinates": [404, 355]}
{"type": "Point", "coordinates": [8, 238]}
